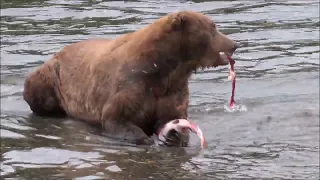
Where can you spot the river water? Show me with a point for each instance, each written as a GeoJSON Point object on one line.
{"type": "Point", "coordinates": [276, 135]}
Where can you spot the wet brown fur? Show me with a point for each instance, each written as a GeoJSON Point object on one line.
{"type": "Point", "coordinates": [130, 84]}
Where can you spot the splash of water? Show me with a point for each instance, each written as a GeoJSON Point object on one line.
{"type": "Point", "coordinates": [235, 108]}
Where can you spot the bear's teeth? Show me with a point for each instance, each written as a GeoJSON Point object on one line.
{"type": "Point", "coordinates": [225, 53]}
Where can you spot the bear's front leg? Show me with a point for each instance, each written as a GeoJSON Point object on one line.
{"type": "Point", "coordinates": [126, 131]}
{"type": "Point", "coordinates": [171, 108]}
{"type": "Point", "coordinates": [119, 117]}
{"type": "Point", "coordinates": [174, 106]}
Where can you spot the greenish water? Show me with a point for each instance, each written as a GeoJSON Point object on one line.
{"type": "Point", "coordinates": [278, 83]}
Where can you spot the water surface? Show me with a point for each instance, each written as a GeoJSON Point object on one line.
{"type": "Point", "coordinates": [278, 82]}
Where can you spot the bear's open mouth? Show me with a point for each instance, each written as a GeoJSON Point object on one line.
{"type": "Point", "coordinates": [225, 57]}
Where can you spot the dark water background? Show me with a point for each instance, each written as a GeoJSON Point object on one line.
{"type": "Point", "coordinates": [278, 82]}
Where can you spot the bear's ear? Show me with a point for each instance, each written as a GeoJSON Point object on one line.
{"type": "Point", "coordinates": [178, 21]}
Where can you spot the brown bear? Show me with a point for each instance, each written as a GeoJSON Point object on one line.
{"type": "Point", "coordinates": [134, 84]}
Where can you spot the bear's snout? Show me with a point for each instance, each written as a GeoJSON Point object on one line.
{"type": "Point", "coordinates": [223, 44]}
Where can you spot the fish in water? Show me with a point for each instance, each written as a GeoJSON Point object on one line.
{"type": "Point", "coordinates": [176, 133]}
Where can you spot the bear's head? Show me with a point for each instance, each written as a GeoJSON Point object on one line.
{"type": "Point", "coordinates": [200, 40]}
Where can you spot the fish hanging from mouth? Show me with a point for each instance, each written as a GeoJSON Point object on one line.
{"type": "Point", "coordinates": [232, 76]}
